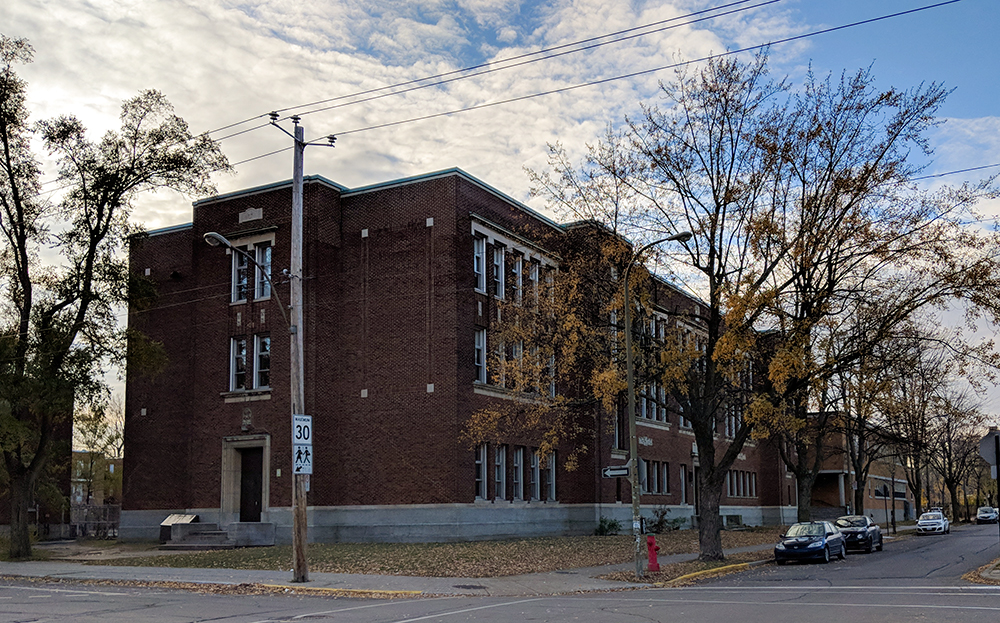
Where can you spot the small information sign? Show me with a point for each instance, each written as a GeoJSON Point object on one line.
{"type": "Point", "coordinates": [302, 449]}
{"type": "Point", "coordinates": [302, 459]}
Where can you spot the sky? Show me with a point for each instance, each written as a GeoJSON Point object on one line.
{"type": "Point", "coordinates": [223, 62]}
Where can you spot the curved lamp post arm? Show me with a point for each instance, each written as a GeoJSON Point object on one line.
{"type": "Point", "coordinates": [633, 440]}
{"type": "Point", "coordinates": [215, 239]}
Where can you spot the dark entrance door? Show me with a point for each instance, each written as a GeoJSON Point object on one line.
{"type": "Point", "coordinates": [251, 483]}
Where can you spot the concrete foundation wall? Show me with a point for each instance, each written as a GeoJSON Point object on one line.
{"type": "Point", "coordinates": [448, 522]}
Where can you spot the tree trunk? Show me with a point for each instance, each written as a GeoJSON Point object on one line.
{"type": "Point", "coordinates": [859, 500]}
{"type": "Point", "coordinates": [20, 497]}
{"type": "Point", "coordinates": [956, 510]}
{"type": "Point", "coordinates": [709, 520]}
{"type": "Point", "coordinates": [805, 489]}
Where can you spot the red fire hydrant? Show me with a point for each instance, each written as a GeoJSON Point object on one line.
{"type": "Point", "coordinates": [654, 564]}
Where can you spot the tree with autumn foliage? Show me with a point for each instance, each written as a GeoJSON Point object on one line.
{"type": "Point", "coordinates": [58, 329]}
{"type": "Point", "coordinates": [804, 220]}
{"type": "Point", "coordinates": [692, 165]}
{"type": "Point", "coordinates": [847, 228]}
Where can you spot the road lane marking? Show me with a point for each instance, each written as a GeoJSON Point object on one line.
{"type": "Point", "coordinates": [971, 587]}
{"type": "Point", "coordinates": [76, 591]}
{"type": "Point", "coordinates": [812, 604]}
{"type": "Point", "coordinates": [366, 606]}
{"type": "Point", "coordinates": [465, 610]}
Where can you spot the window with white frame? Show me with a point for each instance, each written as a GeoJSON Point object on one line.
{"type": "Point", "coordinates": [533, 282]}
{"type": "Point", "coordinates": [500, 473]}
{"type": "Point", "coordinates": [517, 276]}
{"type": "Point", "coordinates": [262, 361]}
{"type": "Point", "coordinates": [250, 369]}
{"type": "Point", "coordinates": [480, 355]}
{"type": "Point", "coordinates": [241, 273]}
{"type": "Point", "coordinates": [479, 262]}
{"type": "Point", "coordinates": [481, 472]}
{"type": "Point", "coordinates": [550, 481]}
{"type": "Point", "coordinates": [685, 423]}
{"type": "Point", "coordinates": [238, 363]}
{"type": "Point", "coordinates": [534, 478]}
{"type": "Point", "coordinates": [517, 475]}
{"type": "Point", "coordinates": [654, 477]}
{"type": "Point", "coordinates": [498, 271]}
{"type": "Point", "coordinates": [262, 270]}
{"type": "Point", "coordinates": [251, 269]}
{"type": "Point", "coordinates": [741, 484]}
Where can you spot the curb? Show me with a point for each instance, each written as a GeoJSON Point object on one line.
{"type": "Point", "coordinates": [348, 592]}
{"type": "Point", "coordinates": [716, 571]}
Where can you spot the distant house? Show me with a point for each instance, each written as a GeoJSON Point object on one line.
{"type": "Point", "coordinates": [96, 479]}
{"type": "Point", "coordinates": [401, 287]}
{"type": "Point", "coordinates": [885, 489]}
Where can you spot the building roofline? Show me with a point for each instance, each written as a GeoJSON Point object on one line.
{"type": "Point", "coordinates": [268, 188]}
{"type": "Point", "coordinates": [455, 171]}
{"type": "Point", "coordinates": [169, 229]}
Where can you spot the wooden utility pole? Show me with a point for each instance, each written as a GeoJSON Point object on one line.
{"type": "Point", "coordinates": [300, 527]}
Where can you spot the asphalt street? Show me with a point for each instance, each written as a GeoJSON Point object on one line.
{"type": "Point", "coordinates": [914, 579]}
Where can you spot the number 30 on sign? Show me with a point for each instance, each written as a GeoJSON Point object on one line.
{"type": "Point", "coordinates": [302, 430]}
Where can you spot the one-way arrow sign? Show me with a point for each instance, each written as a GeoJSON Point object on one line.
{"type": "Point", "coordinates": [616, 471]}
{"type": "Point", "coordinates": [989, 449]}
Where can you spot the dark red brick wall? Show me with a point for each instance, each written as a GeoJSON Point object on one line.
{"type": "Point", "coordinates": [388, 313]}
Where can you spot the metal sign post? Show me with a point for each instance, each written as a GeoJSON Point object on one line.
{"type": "Point", "coordinates": [989, 449]}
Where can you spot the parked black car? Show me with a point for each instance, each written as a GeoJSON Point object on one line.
{"type": "Point", "coordinates": [814, 540]}
{"type": "Point", "coordinates": [860, 532]}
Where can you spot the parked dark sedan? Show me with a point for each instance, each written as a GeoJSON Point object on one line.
{"type": "Point", "coordinates": [860, 532]}
{"type": "Point", "coordinates": [814, 540]}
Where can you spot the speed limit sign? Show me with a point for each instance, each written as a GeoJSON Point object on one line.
{"type": "Point", "coordinates": [302, 449]}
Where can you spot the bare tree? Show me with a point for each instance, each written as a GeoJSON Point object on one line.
{"type": "Point", "coordinates": [955, 455]}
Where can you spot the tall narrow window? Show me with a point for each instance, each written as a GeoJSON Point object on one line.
{"type": "Point", "coordinates": [534, 483]}
{"type": "Point", "coordinates": [263, 270]}
{"type": "Point", "coordinates": [238, 363]}
{"type": "Point", "coordinates": [498, 276]}
{"type": "Point", "coordinates": [481, 472]}
{"type": "Point", "coordinates": [500, 473]}
{"type": "Point", "coordinates": [480, 355]}
{"type": "Point", "coordinates": [533, 283]}
{"type": "Point", "coordinates": [262, 361]}
{"type": "Point", "coordinates": [241, 273]}
{"type": "Point", "coordinates": [517, 475]}
{"type": "Point", "coordinates": [479, 262]}
{"type": "Point", "coordinates": [643, 476]}
{"type": "Point", "coordinates": [550, 471]}
{"type": "Point", "coordinates": [517, 276]}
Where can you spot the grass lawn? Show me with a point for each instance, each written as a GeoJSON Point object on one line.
{"type": "Point", "coordinates": [467, 559]}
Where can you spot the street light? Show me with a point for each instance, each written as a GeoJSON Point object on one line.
{"type": "Point", "coordinates": [300, 569]}
{"type": "Point", "coordinates": [633, 441]}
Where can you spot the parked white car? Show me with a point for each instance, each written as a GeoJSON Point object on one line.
{"type": "Point", "coordinates": [933, 523]}
{"type": "Point", "coordinates": [986, 514]}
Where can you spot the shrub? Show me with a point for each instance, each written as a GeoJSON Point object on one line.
{"type": "Point", "coordinates": [608, 526]}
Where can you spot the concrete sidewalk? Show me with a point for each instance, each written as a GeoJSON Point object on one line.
{"type": "Point", "coordinates": [550, 583]}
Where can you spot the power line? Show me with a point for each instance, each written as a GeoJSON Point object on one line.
{"type": "Point", "coordinates": [490, 67]}
{"type": "Point", "coordinates": [957, 171]}
{"type": "Point", "coordinates": [646, 71]}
